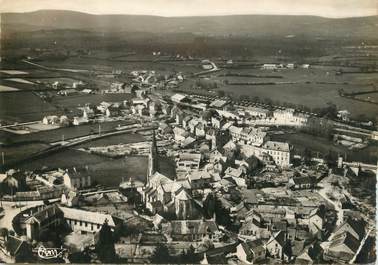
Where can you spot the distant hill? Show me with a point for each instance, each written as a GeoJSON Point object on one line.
{"type": "Point", "coordinates": [236, 25]}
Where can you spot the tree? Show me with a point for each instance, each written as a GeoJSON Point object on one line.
{"type": "Point", "coordinates": [105, 245]}
{"type": "Point", "coordinates": [209, 206]}
{"type": "Point", "coordinates": [221, 93]}
{"type": "Point", "coordinates": [307, 156]}
{"type": "Point", "coordinates": [253, 163]}
{"type": "Point", "coordinates": [189, 257]}
{"type": "Point", "coordinates": [161, 254]}
{"type": "Point", "coordinates": [330, 159]}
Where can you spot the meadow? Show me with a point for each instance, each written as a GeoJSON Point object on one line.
{"type": "Point", "coordinates": [322, 146]}
{"type": "Point", "coordinates": [105, 171]}
{"type": "Point", "coordinates": [24, 107]}
{"type": "Point", "coordinates": [68, 132]}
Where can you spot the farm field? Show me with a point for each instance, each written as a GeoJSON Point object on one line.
{"type": "Point", "coordinates": [7, 88]}
{"type": "Point", "coordinates": [23, 107]}
{"type": "Point", "coordinates": [19, 80]}
{"type": "Point", "coordinates": [313, 88]}
{"type": "Point", "coordinates": [373, 97]}
{"type": "Point", "coordinates": [13, 72]}
{"type": "Point", "coordinates": [127, 65]}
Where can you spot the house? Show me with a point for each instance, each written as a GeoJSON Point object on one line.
{"type": "Point", "coordinates": [304, 258]}
{"type": "Point", "coordinates": [356, 227]}
{"type": "Point", "coordinates": [188, 142]}
{"type": "Point", "coordinates": [269, 66]}
{"type": "Point", "coordinates": [316, 220]}
{"type": "Point", "coordinates": [67, 92]}
{"type": "Point", "coordinates": [199, 130]}
{"type": "Point", "coordinates": [247, 135]}
{"type": "Point", "coordinates": [77, 179]}
{"type": "Point", "coordinates": [233, 173]}
{"type": "Point", "coordinates": [165, 108]}
{"type": "Point", "coordinates": [219, 104]}
{"type": "Point", "coordinates": [79, 121]}
{"type": "Point", "coordinates": [199, 179]}
{"type": "Point", "coordinates": [343, 115]}
{"type": "Point", "coordinates": [302, 182]}
{"type": "Point", "coordinates": [185, 122]}
{"type": "Point", "coordinates": [18, 249]}
{"type": "Point", "coordinates": [229, 146]}
{"type": "Point", "coordinates": [179, 98]}
{"type": "Point", "coordinates": [289, 117]}
{"type": "Point", "coordinates": [180, 134]}
{"type": "Point", "coordinates": [70, 198]}
{"type": "Point", "coordinates": [190, 230]}
{"type": "Point", "coordinates": [278, 151]}
{"type": "Point", "coordinates": [290, 66]}
{"type": "Point", "coordinates": [85, 221]}
{"type": "Point", "coordinates": [218, 138]}
{"type": "Point", "coordinates": [13, 181]}
{"type": "Point", "coordinates": [188, 161]}
{"type": "Point", "coordinates": [192, 125]}
{"type": "Point", "coordinates": [277, 246]}
{"type": "Point", "coordinates": [51, 120]}
{"type": "Point", "coordinates": [342, 248]}
{"type": "Point", "coordinates": [217, 122]}
{"type": "Point", "coordinates": [257, 112]}
{"type": "Point", "coordinates": [116, 86]}
{"type": "Point", "coordinates": [255, 226]}
{"type": "Point", "coordinates": [251, 251]}
{"type": "Point", "coordinates": [206, 65]}
{"type": "Point", "coordinates": [46, 218]}
{"type": "Point", "coordinates": [88, 113]}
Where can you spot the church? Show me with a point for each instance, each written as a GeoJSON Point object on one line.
{"type": "Point", "coordinates": [164, 196]}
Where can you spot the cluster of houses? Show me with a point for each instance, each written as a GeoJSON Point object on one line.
{"type": "Point", "coordinates": [278, 226]}
{"type": "Point", "coordinates": [213, 200]}
{"type": "Point", "coordinates": [145, 80]}
{"type": "Point", "coordinates": [27, 186]}
{"type": "Point", "coordinates": [226, 133]}
{"type": "Point", "coordinates": [273, 66]}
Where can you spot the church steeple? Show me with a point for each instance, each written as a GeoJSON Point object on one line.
{"type": "Point", "coordinates": [153, 162]}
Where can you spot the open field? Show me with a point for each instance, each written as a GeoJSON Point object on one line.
{"type": "Point", "coordinates": [130, 64]}
{"type": "Point", "coordinates": [373, 97]}
{"type": "Point", "coordinates": [323, 146]}
{"type": "Point", "coordinates": [80, 100]}
{"type": "Point", "coordinates": [13, 72]}
{"type": "Point", "coordinates": [7, 88]}
{"type": "Point", "coordinates": [104, 170]}
{"type": "Point", "coordinates": [313, 88]}
{"type": "Point", "coordinates": [113, 140]}
{"type": "Point", "coordinates": [62, 80]}
{"type": "Point", "coordinates": [17, 152]}
{"type": "Point", "coordinates": [68, 132]}
{"type": "Point", "coordinates": [23, 107]}
{"type": "Point", "coordinates": [19, 80]}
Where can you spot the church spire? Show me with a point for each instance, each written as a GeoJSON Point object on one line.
{"type": "Point", "coordinates": [153, 163]}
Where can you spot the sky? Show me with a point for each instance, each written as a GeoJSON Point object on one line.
{"type": "Point", "coordinates": [325, 8]}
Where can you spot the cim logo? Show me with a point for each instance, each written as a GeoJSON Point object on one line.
{"type": "Point", "coordinates": [50, 253]}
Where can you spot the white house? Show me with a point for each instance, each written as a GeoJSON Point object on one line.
{"type": "Point", "coordinates": [77, 179]}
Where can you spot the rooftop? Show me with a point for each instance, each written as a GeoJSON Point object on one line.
{"type": "Point", "coordinates": [277, 146]}
{"type": "Point", "coordinates": [87, 216]}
